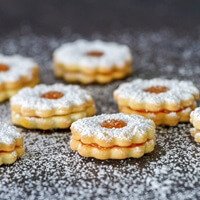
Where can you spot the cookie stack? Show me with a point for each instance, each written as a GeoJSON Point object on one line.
{"type": "Point", "coordinates": [51, 106]}
{"type": "Point", "coordinates": [167, 102]}
{"type": "Point", "coordinates": [16, 72]}
{"type": "Point", "coordinates": [88, 62]}
{"type": "Point", "coordinates": [11, 144]}
{"type": "Point", "coordinates": [113, 136]}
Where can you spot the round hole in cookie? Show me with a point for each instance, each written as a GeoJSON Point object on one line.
{"type": "Point", "coordinates": [113, 123]}
{"type": "Point", "coordinates": [95, 53]}
{"type": "Point", "coordinates": [52, 95]}
{"type": "Point", "coordinates": [156, 89]}
{"type": "Point", "coordinates": [4, 67]}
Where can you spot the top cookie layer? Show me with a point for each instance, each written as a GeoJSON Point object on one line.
{"type": "Point", "coordinates": [8, 134]}
{"type": "Point", "coordinates": [156, 94]}
{"type": "Point", "coordinates": [93, 54]}
{"type": "Point", "coordinates": [113, 129]}
{"type": "Point", "coordinates": [15, 67]}
{"type": "Point", "coordinates": [49, 100]}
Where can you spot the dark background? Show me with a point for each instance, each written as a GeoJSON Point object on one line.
{"type": "Point", "coordinates": [53, 17]}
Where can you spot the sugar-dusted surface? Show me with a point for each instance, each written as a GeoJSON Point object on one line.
{"type": "Point", "coordinates": [177, 92]}
{"type": "Point", "coordinates": [49, 170]}
{"type": "Point", "coordinates": [134, 125]}
{"type": "Point", "coordinates": [75, 53]}
{"type": "Point", "coordinates": [8, 133]}
{"type": "Point", "coordinates": [18, 66]}
{"type": "Point", "coordinates": [31, 97]}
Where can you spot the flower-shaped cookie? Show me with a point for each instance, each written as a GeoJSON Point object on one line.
{"type": "Point", "coordinates": [96, 61]}
{"type": "Point", "coordinates": [51, 106]}
{"type": "Point", "coordinates": [16, 72]}
{"type": "Point", "coordinates": [11, 144]}
{"type": "Point", "coordinates": [113, 136]}
{"type": "Point", "coordinates": [167, 102]}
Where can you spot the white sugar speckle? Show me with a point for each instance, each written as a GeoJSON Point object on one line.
{"type": "Point", "coordinates": [31, 97]}
{"type": "Point", "coordinates": [75, 53]}
{"type": "Point", "coordinates": [135, 124]}
{"type": "Point", "coordinates": [18, 66]}
{"type": "Point", "coordinates": [8, 133]}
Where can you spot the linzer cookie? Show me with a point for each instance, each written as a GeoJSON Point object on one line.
{"type": "Point", "coordinates": [11, 144]}
{"type": "Point", "coordinates": [113, 136]}
{"type": "Point", "coordinates": [167, 102]}
{"type": "Point", "coordinates": [195, 120]}
{"type": "Point", "coordinates": [51, 106]}
{"type": "Point", "coordinates": [92, 61]}
{"type": "Point", "coordinates": [16, 72]}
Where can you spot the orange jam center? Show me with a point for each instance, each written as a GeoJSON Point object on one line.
{"type": "Point", "coordinates": [156, 89]}
{"type": "Point", "coordinates": [95, 53]}
{"type": "Point", "coordinates": [113, 123]}
{"type": "Point", "coordinates": [4, 67]}
{"type": "Point", "coordinates": [52, 95]}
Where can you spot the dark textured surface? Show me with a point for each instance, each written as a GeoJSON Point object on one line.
{"type": "Point", "coordinates": [49, 170]}
{"type": "Point", "coordinates": [105, 16]}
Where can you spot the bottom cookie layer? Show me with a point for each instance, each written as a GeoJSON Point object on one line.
{"type": "Point", "coordinates": [55, 122]}
{"type": "Point", "coordinates": [163, 118]}
{"type": "Point", "coordinates": [115, 152]}
{"type": "Point", "coordinates": [8, 158]}
{"type": "Point", "coordinates": [93, 78]}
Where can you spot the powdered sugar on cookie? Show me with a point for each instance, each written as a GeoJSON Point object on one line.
{"type": "Point", "coordinates": [133, 124]}
{"type": "Point", "coordinates": [34, 98]}
{"type": "Point", "coordinates": [93, 54]}
{"type": "Point", "coordinates": [157, 91]}
{"type": "Point", "coordinates": [17, 66]}
{"type": "Point", "coordinates": [8, 133]}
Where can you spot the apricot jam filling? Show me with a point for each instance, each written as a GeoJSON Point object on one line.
{"type": "Point", "coordinates": [6, 151]}
{"type": "Point", "coordinates": [52, 95]}
{"type": "Point", "coordinates": [156, 89]}
{"type": "Point", "coordinates": [161, 111]}
{"type": "Point", "coordinates": [114, 146]}
{"type": "Point", "coordinates": [113, 123]}
{"type": "Point", "coordinates": [95, 53]}
{"type": "Point", "coordinates": [4, 67]}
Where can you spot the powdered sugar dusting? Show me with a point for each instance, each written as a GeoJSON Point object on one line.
{"type": "Point", "coordinates": [178, 91]}
{"type": "Point", "coordinates": [135, 124]}
{"type": "Point", "coordinates": [50, 170]}
{"type": "Point", "coordinates": [31, 97]}
{"type": "Point", "coordinates": [75, 54]}
{"type": "Point", "coordinates": [8, 133]}
{"type": "Point", "coordinates": [18, 66]}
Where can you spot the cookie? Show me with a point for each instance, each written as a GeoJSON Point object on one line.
{"type": "Point", "coordinates": [113, 136]}
{"type": "Point", "coordinates": [51, 106]}
{"type": "Point", "coordinates": [195, 120]}
{"type": "Point", "coordinates": [92, 61]}
{"type": "Point", "coordinates": [167, 102]}
{"type": "Point", "coordinates": [16, 72]}
{"type": "Point", "coordinates": [11, 144]}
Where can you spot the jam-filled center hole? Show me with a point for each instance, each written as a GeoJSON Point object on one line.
{"type": "Point", "coordinates": [95, 53]}
{"type": "Point", "coordinates": [113, 123]}
{"type": "Point", "coordinates": [4, 67]}
{"type": "Point", "coordinates": [52, 95]}
{"type": "Point", "coordinates": [156, 89]}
